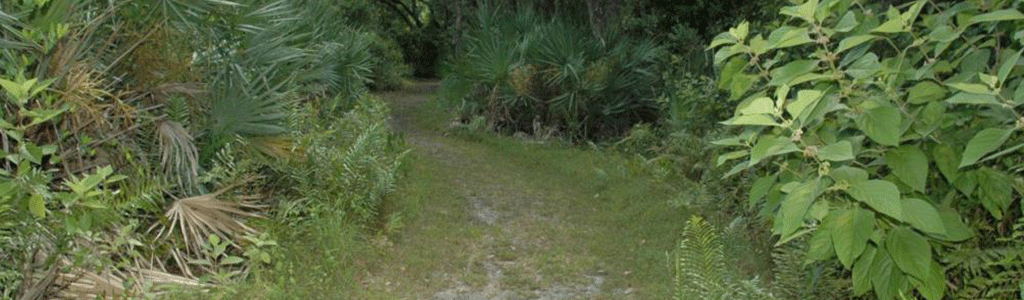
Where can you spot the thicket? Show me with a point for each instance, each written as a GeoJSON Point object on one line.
{"type": "Point", "coordinates": [530, 72]}
{"type": "Point", "coordinates": [886, 142]}
{"type": "Point", "coordinates": [143, 141]}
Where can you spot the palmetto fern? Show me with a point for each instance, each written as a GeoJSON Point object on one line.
{"type": "Point", "coordinates": [701, 271]}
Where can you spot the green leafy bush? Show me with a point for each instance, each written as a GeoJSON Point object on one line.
{"type": "Point", "coordinates": [891, 137]}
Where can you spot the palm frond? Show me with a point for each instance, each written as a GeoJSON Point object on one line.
{"type": "Point", "coordinates": [179, 158]}
{"type": "Point", "coordinates": [197, 217]}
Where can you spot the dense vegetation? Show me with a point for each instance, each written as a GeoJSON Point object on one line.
{"type": "Point", "coordinates": [890, 142]}
{"type": "Point", "coordinates": [873, 148]}
{"type": "Point", "coordinates": [860, 149]}
{"type": "Point", "coordinates": [142, 140]}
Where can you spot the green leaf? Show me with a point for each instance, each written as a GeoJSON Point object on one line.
{"type": "Point", "coordinates": [851, 230]}
{"type": "Point", "coordinates": [999, 15]}
{"type": "Point", "coordinates": [956, 229]}
{"type": "Point", "coordinates": [231, 260]}
{"type": "Point", "coordinates": [990, 80]}
{"type": "Point", "coordinates": [37, 206]}
{"type": "Point", "coordinates": [944, 33]}
{"type": "Point", "coordinates": [786, 74]}
{"type": "Point", "coordinates": [794, 207]}
{"type": "Point", "coordinates": [1006, 151]}
{"type": "Point", "coordinates": [865, 66]}
{"type": "Point", "coordinates": [730, 156]}
{"type": "Point", "coordinates": [840, 151]}
{"type": "Point", "coordinates": [760, 120]}
{"type": "Point", "coordinates": [911, 15]}
{"type": "Point", "coordinates": [740, 31]}
{"type": "Point", "coordinates": [986, 141]}
{"type": "Point", "coordinates": [884, 275]}
{"type": "Point", "coordinates": [759, 106]}
{"type": "Point", "coordinates": [880, 195]}
{"type": "Point", "coordinates": [890, 26]}
{"type": "Point", "coordinates": [946, 158]}
{"type": "Point", "coordinates": [16, 91]}
{"type": "Point", "coordinates": [768, 147]}
{"type": "Point", "coordinates": [730, 70]}
{"type": "Point", "coordinates": [882, 125]}
{"type": "Point", "coordinates": [966, 182]}
{"type": "Point", "coordinates": [910, 165]}
{"type": "Point", "coordinates": [32, 152]}
{"type": "Point", "coordinates": [819, 247]}
{"type": "Point", "coordinates": [850, 175]}
{"type": "Point", "coordinates": [759, 189]}
{"type": "Point", "coordinates": [788, 36]}
{"type": "Point", "coordinates": [910, 251]}
{"type": "Point", "coordinates": [933, 114]}
{"type": "Point", "coordinates": [40, 116]}
{"type": "Point", "coordinates": [804, 11]}
{"type": "Point", "coordinates": [804, 99]}
{"type": "Point", "coordinates": [926, 91]}
{"type": "Point", "coordinates": [853, 41]}
{"type": "Point", "coordinates": [972, 88]}
{"type": "Point", "coordinates": [995, 190]}
{"type": "Point", "coordinates": [933, 286]}
{"type": "Point", "coordinates": [862, 271]}
{"type": "Point", "coordinates": [923, 216]}
{"type": "Point", "coordinates": [1008, 65]}
{"type": "Point", "coordinates": [1018, 94]}
{"type": "Point", "coordinates": [724, 38]}
{"type": "Point", "coordinates": [847, 22]}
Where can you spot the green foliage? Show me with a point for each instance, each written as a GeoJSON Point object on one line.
{"type": "Point", "coordinates": [883, 134]}
{"type": "Point", "coordinates": [389, 68]}
{"type": "Point", "coordinates": [990, 273]}
{"type": "Point", "coordinates": [701, 271]}
{"type": "Point", "coordinates": [120, 118]}
{"type": "Point", "coordinates": [524, 68]}
{"type": "Point", "coordinates": [694, 104]}
{"type": "Point", "coordinates": [349, 165]}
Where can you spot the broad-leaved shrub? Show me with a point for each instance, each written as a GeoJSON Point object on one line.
{"type": "Point", "coordinates": [890, 135]}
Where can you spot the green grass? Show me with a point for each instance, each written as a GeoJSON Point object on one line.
{"type": "Point", "coordinates": [566, 213]}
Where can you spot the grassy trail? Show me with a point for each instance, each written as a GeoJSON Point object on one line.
{"type": "Point", "coordinates": [500, 218]}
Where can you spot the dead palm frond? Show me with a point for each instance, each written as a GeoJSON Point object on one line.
{"type": "Point", "coordinates": [81, 284]}
{"type": "Point", "coordinates": [78, 283]}
{"type": "Point", "coordinates": [179, 157]}
{"type": "Point", "coordinates": [197, 217]}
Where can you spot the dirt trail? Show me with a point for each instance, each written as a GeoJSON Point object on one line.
{"type": "Point", "coordinates": [519, 240]}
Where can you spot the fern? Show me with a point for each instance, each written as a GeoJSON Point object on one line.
{"type": "Point", "coordinates": [991, 273]}
{"type": "Point", "coordinates": [796, 279]}
{"type": "Point", "coordinates": [701, 269]}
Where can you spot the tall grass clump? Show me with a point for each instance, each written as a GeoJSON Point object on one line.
{"type": "Point", "coordinates": [525, 71]}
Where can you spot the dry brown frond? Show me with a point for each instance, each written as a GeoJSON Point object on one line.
{"type": "Point", "coordinates": [179, 157]}
{"type": "Point", "coordinates": [78, 283]}
{"type": "Point", "coordinates": [199, 216]}
{"type": "Point", "coordinates": [81, 284]}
